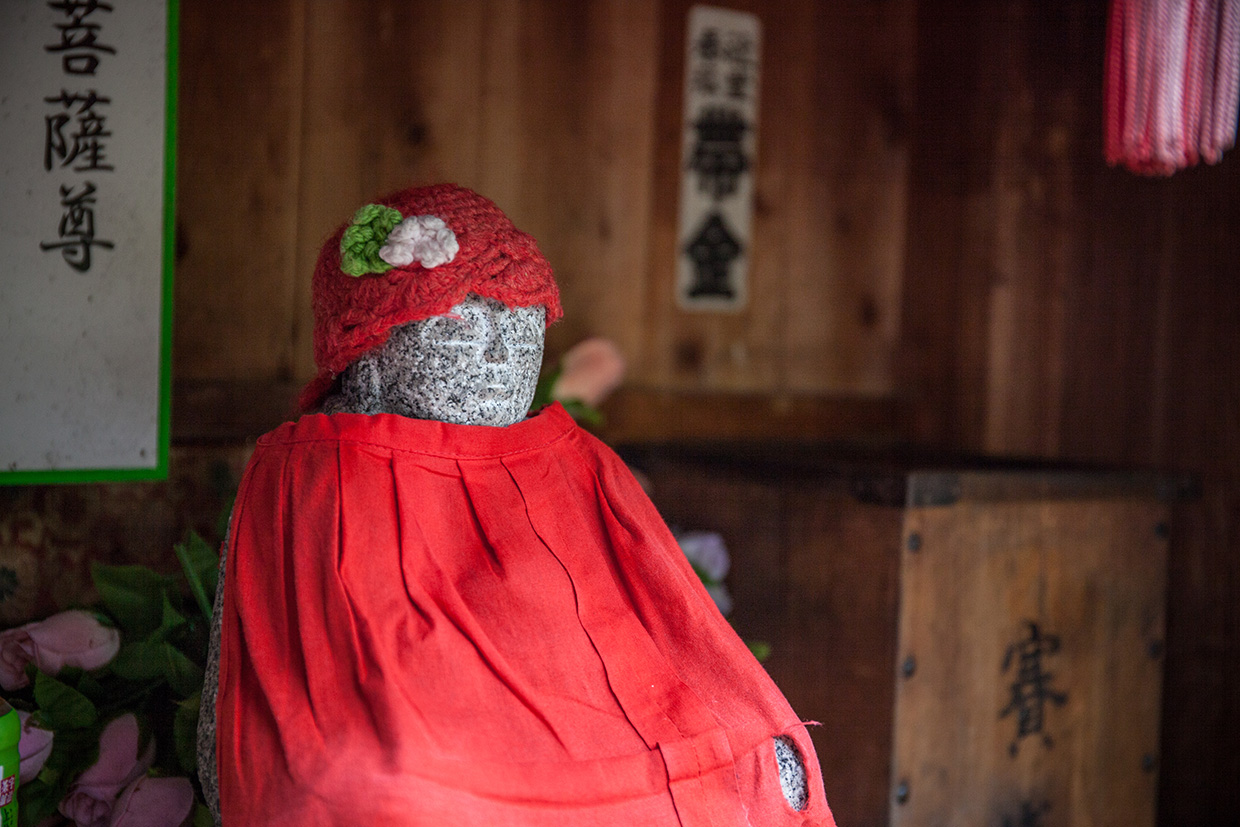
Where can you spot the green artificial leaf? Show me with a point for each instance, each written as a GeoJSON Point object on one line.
{"type": "Point", "coordinates": [90, 686]}
{"type": "Point", "coordinates": [185, 732]}
{"type": "Point", "coordinates": [760, 649]}
{"type": "Point", "coordinates": [582, 412]}
{"type": "Point", "coordinates": [201, 567]}
{"type": "Point", "coordinates": [71, 675]}
{"type": "Point", "coordinates": [133, 594]}
{"type": "Point", "coordinates": [156, 660]}
{"type": "Point", "coordinates": [36, 800]}
{"type": "Point", "coordinates": [182, 674]}
{"type": "Point", "coordinates": [205, 559]}
{"type": "Point", "coordinates": [363, 238]}
{"type": "Point", "coordinates": [222, 521]}
{"type": "Point", "coordinates": [61, 706]}
{"type": "Point", "coordinates": [140, 661]}
{"type": "Point", "coordinates": [73, 750]}
{"type": "Point", "coordinates": [170, 622]}
{"type": "Point", "coordinates": [202, 816]}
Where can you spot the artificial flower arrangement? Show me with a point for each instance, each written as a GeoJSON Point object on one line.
{"type": "Point", "coordinates": [108, 699]}
{"type": "Point", "coordinates": [109, 696]}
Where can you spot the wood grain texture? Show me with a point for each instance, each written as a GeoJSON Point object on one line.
{"type": "Point", "coordinates": [1090, 573]}
{"type": "Point", "coordinates": [836, 662]}
{"type": "Point", "coordinates": [636, 414]}
{"type": "Point", "coordinates": [238, 147]}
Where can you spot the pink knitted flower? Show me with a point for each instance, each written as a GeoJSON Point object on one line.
{"type": "Point", "coordinates": [90, 800]}
{"type": "Point", "coordinates": [591, 370]}
{"type": "Point", "coordinates": [154, 802]}
{"type": "Point", "coordinates": [72, 638]}
{"type": "Point", "coordinates": [34, 747]}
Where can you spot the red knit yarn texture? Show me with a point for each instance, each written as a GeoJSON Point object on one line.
{"type": "Point", "coordinates": [496, 261]}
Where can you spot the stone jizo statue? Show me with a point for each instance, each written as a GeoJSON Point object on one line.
{"type": "Point", "coordinates": [437, 610]}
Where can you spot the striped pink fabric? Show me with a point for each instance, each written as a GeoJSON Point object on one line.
{"type": "Point", "coordinates": [1172, 83]}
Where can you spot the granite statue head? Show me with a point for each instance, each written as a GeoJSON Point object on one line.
{"type": "Point", "coordinates": [430, 304]}
{"type": "Point", "coordinates": [477, 364]}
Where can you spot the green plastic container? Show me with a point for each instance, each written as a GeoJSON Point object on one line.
{"type": "Point", "coordinates": [10, 763]}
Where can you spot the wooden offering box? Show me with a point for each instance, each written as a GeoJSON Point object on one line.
{"type": "Point", "coordinates": [982, 643]}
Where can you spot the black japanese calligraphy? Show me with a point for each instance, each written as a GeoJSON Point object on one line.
{"type": "Point", "coordinates": [84, 142]}
{"type": "Point", "coordinates": [720, 126]}
{"type": "Point", "coordinates": [1031, 686]}
{"type": "Point", "coordinates": [79, 45]}
{"type": "Point", "coordinates": [740, 64]}
{"type": "Point", "coordinates": [718, 156]}
{"type": "Point", "coordinates": [726, 62]}
{"type": "Point", "coordinates": [76, 131]}
{"type": "Point", "coordinates": [77, 227]}
{"type": "Point", "coordinates": [713, 249]}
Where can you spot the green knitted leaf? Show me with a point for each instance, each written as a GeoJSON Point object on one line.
{"type": "Point", "coordinates": [359, 249]}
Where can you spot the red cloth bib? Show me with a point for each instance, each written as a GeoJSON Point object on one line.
{"type": "Point", "coordinates": [443, 624]}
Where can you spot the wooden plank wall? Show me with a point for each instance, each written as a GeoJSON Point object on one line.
{"type": "Point", "coordinates": [936, 237]}
{"type": "Point", "coordinates": [567, 114]}
{"type": "Point", "coordinates": [1058, 308]}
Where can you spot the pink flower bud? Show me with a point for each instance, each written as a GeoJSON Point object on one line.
{"type": "Point", "coordinates": [34, 747]}
{"type": "Point", "coordinates": [154, 802]}
{"type": "Point", "coordinates": [85, 811]}
{"type": "Point", "coordinates": [590, 370]}
{"type": "Point", "coordinates": [90, 799]}
{"type": "Point", "coordinates": [73, 638]}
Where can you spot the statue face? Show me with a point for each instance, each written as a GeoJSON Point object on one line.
{"type": "Point", "coordinates": [475, 365]}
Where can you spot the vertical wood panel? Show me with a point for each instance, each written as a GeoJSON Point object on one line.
{"type": "Point", "coordinates": [836, 664]}
{"type": "Point", "coordinates": [842, 297]}
{"type": "Point", "coordinates": [604, 201]}
{"type": "Point", "coordinates": [238, 151]}
{"type": "Point", "coordinates": [581, 179]}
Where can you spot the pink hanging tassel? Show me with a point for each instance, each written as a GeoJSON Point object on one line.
{"type": "Point", "coordinates": [1172, 78]}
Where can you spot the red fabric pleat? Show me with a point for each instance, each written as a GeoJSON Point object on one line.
{"type": "Point", "coordinates": [442, 624]}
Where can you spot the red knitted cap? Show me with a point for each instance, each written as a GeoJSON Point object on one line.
{"type": "Point", "coordinates": [495, 260]}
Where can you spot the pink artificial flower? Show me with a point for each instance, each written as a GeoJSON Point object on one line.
{"type": "Point", "coordinates": [91, 797]}
{"type": "Point", "coordinates": [154, 802]}
{"type": "Point", "coordinates": [34, 747]}
{"type": "Point", "coordinates": [72, 638]}
{"type": "Point", "coordinates": [589, 372]}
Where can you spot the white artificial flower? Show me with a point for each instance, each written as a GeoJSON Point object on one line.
{"type": "Point", "coordinates": [425, 239]}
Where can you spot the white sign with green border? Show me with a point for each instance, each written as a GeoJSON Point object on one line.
{"type": "Point", "coordinates": [87, 141]}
